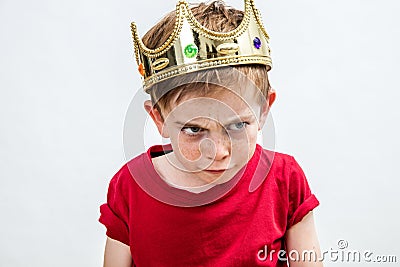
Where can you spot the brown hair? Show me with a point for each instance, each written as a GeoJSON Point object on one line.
{"type": "Point", "coordinates": [215, 16]}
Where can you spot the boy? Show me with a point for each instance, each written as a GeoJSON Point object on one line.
{"type": "Point", "coordinates": [213, 196]}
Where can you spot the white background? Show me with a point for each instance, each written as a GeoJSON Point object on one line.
{"type": "Point", "coordinates": [67, 76]}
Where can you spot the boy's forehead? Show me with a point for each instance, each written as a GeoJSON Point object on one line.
{"type": "Point", "coordinates": [234, 95]}
{"type": "Point", "coordinates": [211, 83]}
{"type": "Point", "coordinates": [221, 106]}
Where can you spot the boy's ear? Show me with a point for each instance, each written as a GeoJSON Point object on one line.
{"type": "Point", "coordinates": [266, 106]}
{"type": "Point", "coordinates": [157, 118]}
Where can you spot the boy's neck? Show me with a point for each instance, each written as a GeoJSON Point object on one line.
{"type": "Point", "coordinates": [181, 179]}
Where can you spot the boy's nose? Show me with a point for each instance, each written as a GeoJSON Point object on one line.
{"type": "Point", "coordinates": [222, 151]}
{"type": "Point", "coordinates": [218, 147]}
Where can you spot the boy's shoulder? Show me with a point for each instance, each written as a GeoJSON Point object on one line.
{"type": "Point", "coordinates": [282, 166]}
{"type": "Point", "coordinates": [278, 159]}
{"type": "Point", "coordinates": [141, 163]}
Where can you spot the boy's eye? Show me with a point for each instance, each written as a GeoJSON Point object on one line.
{"type": "Point", "coordinates": [194, 131]}
{"type": "Point", "coordinates": [191, 130]}
{"type": "Point", "coordinates": [237, 126]}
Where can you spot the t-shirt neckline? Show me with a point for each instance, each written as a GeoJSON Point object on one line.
{"type": "Point", "coordinates": [150, 181]}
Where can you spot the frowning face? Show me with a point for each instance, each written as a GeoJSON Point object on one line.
{"type": "Point", "coordinates": [214, 136]}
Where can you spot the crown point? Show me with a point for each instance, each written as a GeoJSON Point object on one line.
{"type": "Point", "coordinates": [257, 43]}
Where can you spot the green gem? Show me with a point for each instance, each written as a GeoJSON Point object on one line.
{"type": "Point", "coordinates": [191, 50]}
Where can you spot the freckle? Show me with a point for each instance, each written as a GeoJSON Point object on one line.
{"type": "Point", "coordinates": [191, 154]}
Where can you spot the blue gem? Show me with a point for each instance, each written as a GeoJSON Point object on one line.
{"type": "Point", "coordinates": [257, 43]}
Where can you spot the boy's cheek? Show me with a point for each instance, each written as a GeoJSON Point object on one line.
{"type": "Point", "coordinates": [188, 149]}
{"type": "Point", "coordinates": [244, 144]}
{"type": "Point", "coordinates": [241, 149]}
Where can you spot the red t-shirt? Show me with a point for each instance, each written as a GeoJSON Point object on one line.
{"type": "Point", "coordinates": [165, 226]}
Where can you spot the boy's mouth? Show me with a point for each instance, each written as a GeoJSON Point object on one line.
{"type": "Point", "coordinates": [215, 171]}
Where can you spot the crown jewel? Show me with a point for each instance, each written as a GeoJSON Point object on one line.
{"type": "Point", "coordinates": [192, 47]}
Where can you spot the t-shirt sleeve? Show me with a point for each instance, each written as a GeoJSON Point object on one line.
{"type": "Point", "coordinates": [301, 199]}
{"type": "Point", "coordinates": [114, 214]}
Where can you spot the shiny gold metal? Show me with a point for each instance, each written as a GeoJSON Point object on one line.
{"type": "Point", "coordinates": [215, 49]}
{"type": "Point", "coordinates": [227, 48]}
{"type": "Point", "coordinates": [160, 63]}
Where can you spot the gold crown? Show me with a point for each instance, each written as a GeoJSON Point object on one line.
{"type": "Point", "coordinates": [192, 47]}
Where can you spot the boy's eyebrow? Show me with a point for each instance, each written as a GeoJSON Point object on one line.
{"type": "Point", "coordinates": [235, 120]}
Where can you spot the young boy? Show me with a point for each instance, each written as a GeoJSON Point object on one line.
{"type": "Point", "coordinates": [213, 196]}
